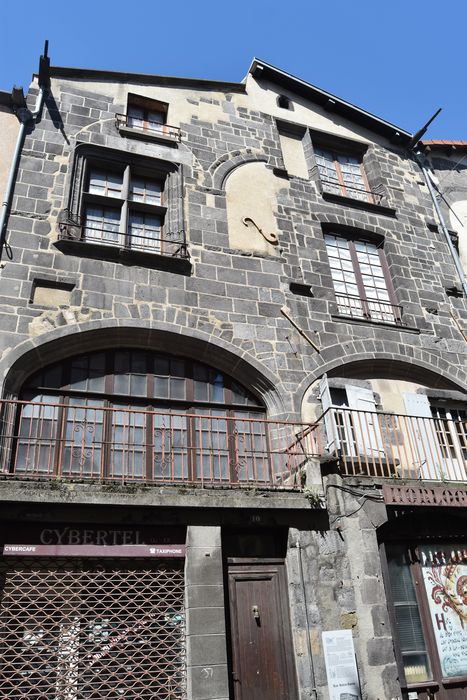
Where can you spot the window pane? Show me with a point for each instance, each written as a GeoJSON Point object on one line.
{"type": "Point", "coordinates": [128, 443]}
{"type": "Point", "coordinates": [145, 232]}
{"type": "Point", "coordinates": [328, 171]}
{"type": "Point", "coordinates": [409, 626]}
{"type": "Point", "coordinates": [145, 190]}
{"type": "Point", "coordinates": [212, 445]}
{"type": "Point", "coordinates": [143, 118]}
{"type": "Point", "coordinates": [217, 387]}
{"type": "Point", "coordinates": [155, 119]}
{"type": "Point", "coordinates": [342, 271]}
{"type": "Point", "coordinates": [130, 373]}
{"type": "Point", "coordinates": [87, 372]}
{"type": "Point", "coordinates": [37, 434]}
{"type": "Point", "coordinates": [105, 183]}
{"type": "Point", "coordinates": [352, 176]}
{"type": "Point", "coordinates": [170, 441]}
{"type": "Point", "coordinates": [102, 225]}
{"type": "Point", "coordinates": [136, 117]}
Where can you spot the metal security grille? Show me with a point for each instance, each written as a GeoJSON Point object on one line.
{"type": "Point", "coordinates": [104, 629]}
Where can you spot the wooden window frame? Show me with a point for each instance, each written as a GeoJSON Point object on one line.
{"type": "Point", "coordinates": [124, 203]}
{"type": "Point", "coordinates": [147, 105]}
{"type": "Point", "coordinates": [352, 239]}
{"type": "Point", "coordinates": [437, 680]}
{"type": "Point", "coordinates": [346, 190]}
{"type": "Point", "coordinates": [148, 403]}
{"type": "Point", "coordinates": [164, 247]}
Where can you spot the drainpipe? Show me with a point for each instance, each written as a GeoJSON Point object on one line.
{"type": "Point", "coordinates": [307, 620]}
{"type": "Point", "coordinates": [25, 116]}
{"type": "Point", "coordinates": [455, 256]}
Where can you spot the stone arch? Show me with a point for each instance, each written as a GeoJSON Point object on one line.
{"type": "Point", "coordinates": [347, 223]}
{"type": "Point", "coordinates": [65, 342]}
{"type": "Point", "coordinates": [423, 369]}
{"type": "Point", "coordinates": [220, 170]}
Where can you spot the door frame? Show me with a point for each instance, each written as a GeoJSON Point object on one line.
{"type": "Point", "coordinates": [261, 567]}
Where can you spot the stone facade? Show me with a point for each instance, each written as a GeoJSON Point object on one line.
{"type": "Point", "coordinates": [225, 307]}
{"type": "Point", "coordinates": [447, 160]}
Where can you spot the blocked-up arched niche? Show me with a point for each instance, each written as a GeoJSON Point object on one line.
{"type": "Point", "coordinates": [252, 191]}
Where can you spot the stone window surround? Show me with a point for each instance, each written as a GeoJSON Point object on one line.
{"type": "Point", "coordinates": [379, 201]}
{"type": "Point", "coordinates": [156, 130]}
{"type": "Point", "coordinates": [310, 137]}
{"type": "Point", "coordinates": [355, 234]}
{"type": "Point", "coordinates": [171, 174]}
{"type": "Point", "coordinates": [147, 105]}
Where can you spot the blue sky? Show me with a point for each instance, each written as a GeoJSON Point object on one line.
{"type": "Point", "coordinates": [400, 59]}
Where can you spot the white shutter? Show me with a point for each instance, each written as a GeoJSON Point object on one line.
{"type": "Point", "coordinates": [332, 437]}
{"type": "Point", "coordinates": [426, 461]}
{"type": "Point", "coordinates": [366, 427]}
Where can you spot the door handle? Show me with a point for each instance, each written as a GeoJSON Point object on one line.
{"type": "Point", "coordinates": [255, 612]}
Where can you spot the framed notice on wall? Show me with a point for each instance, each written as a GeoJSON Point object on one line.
{"type": "Point", "coordinates": [341, 667]}
{"type": "Point", "coordinates": [444, 570]}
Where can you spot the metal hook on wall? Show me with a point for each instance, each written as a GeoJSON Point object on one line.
{"type": "Point", "coordinates": [269, 237]}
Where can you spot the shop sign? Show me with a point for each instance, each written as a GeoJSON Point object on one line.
{"type": "Point", "coordinates": [445, 578]}
{"type": "Point", "coordinates": [341, 667]}
{"type": "Point", "coordinates": [424, 496]}
{"type": "Point", "coordinates": [76, 535]}
{"type": "Point", "coordinates": [92, 550]}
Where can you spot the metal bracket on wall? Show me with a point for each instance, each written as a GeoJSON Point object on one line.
{"type": "Point", "coordinates": [285, 311]}
{"type": "Point", "coordinates": [269, 237]}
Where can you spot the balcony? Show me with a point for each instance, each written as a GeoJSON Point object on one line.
{"type": "Point", "coordinates": [163, 249]}
{"type": "Point", "coordinates": [149, 130]}
{"type": "Point", "coordinates": [208, 449]}
{"type": "Point", "coordinates": [369, 310]}
{"type": "Point", "coordinates": [82, 442]}
{"type": "Point", "coordinates": [370, 444]}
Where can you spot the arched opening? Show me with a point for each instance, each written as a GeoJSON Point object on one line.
{"type": "Point", "coordinates": [137, 415]}
{"type": "Point", "coordinates": [387, 418]}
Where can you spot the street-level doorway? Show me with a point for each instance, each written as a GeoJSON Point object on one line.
{"type": "Point", "coordinates": [262, 661]}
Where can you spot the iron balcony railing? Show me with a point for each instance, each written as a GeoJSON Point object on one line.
{"type": "Point", "coordinates": [367, 443]}
{"type": "Point", "coordinates": [360, 192]}
{"type": "Point", "coordinates": [169, 244]}
{"type": "Point", "coordinates": [369, 309]}
{"type": "Point", "coordinates": [87, 440]}
{"type": "Point", "coordinates": [148, 126]}
{"type": "Point", "coordinates": [75, 440]}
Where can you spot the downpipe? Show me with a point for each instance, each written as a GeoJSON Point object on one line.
{"type": "Point", "coordinates": [307, 620]}
{"type": "Point", "coordinates": [444, 228]}
{"type": "Point", "coordinates": [25, 117]}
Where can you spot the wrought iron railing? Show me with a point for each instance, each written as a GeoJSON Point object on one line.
{"type": "Point", "coordinates": [207, 448]}
{"type": "Point", "coordinates": [360, 192]}
{"type": "Point", "coordinates": [75, 228]}
{"type": "Point", "coordinates": [148, 126]}
{"type": "Point", "coordinates": [374, 444]}
{"type": "Point", "coordinates": [369, 309]}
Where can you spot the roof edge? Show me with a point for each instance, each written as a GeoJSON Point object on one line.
{"type": "Point", "coordinates": [329, 101]}
{"type": "Point", "coordinates": [147, 78]}
{"type": "Point", "coordinates": [443, 144]}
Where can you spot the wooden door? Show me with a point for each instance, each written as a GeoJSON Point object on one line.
{"type": "Point", "coordinates": [262, 652]}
